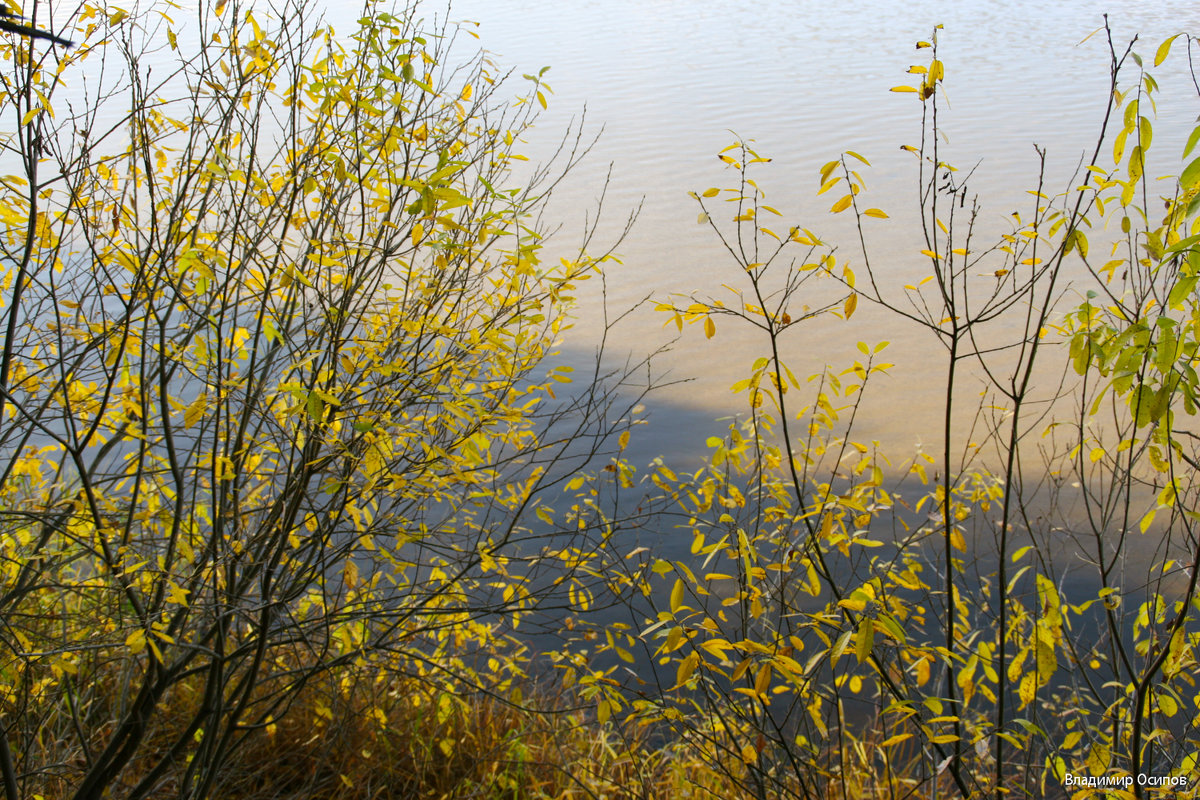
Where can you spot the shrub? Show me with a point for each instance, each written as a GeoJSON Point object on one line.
{"type": "Point", "coordinates": [839, 631]}
{"type": "Point", "coordinates": [278, 409]}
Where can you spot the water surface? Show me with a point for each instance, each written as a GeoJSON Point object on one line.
{"type": "Point", "coordinates": [671, 82]}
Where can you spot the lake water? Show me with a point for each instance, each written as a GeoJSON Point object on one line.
{"type": "Point", "coordinates": [673, 82]}
{"type": "Point", "coordinates": [669, 83]}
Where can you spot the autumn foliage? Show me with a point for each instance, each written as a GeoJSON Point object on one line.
{"type": "Point", "coordinates": [294, 487]}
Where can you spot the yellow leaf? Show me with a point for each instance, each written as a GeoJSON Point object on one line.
{"type": "Point", "coordinates": [677, 595]}
{"type": "Point", "coordinates": [875, 212]}
{"type": "Point", "coordinates": [710, 327]}
{"type": "Point", "coordinates": [1028, 688]}
{"type": "Point", "coordinates": [686, 668]}
{"type": "Point", "coordinates": [843, 204]}
{"type": "Point", "coordinates": [711, 192]}
{"type": "Point", "coordinates": [623, 441]}
{"type": "Point", "coordinates": [1079, 241]}
{"type": "Point", "coordinates": [855, 602]}
{"type": "Point", "coordinates": [1163, 49]}
{"type": "Point", "coordinates": [826, 526]}
{"type": "Point", "coordinates": [176, 595]}
{"type": "Point", "coordinates": [136, 641]}
{"type": "Point", "coordinates": [902, 89]}
{"type": "Point", "coordinates": [865, 639]}
{"type": "Point", "coordinates": [827, 170]}
{"type": "Point", "coordinates": [762, 681]}
{"type": "Point", "coordinates": [851, 304]}
{"type": "Point", "coordinates": [225, 471]}
{"type": "Point", "coordinates": [957, 541]}
{"type": "Point", "coordinates": [195, 411]}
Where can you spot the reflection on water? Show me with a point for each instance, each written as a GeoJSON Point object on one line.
{"type": "Point", "coordinates": [671, 83]}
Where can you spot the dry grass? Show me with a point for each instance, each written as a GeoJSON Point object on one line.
{"type": "Point", "coordinates": [394, 737]}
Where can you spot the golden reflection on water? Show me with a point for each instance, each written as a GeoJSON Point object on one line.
{"type": "Point", "coordinates": [671, 83]}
